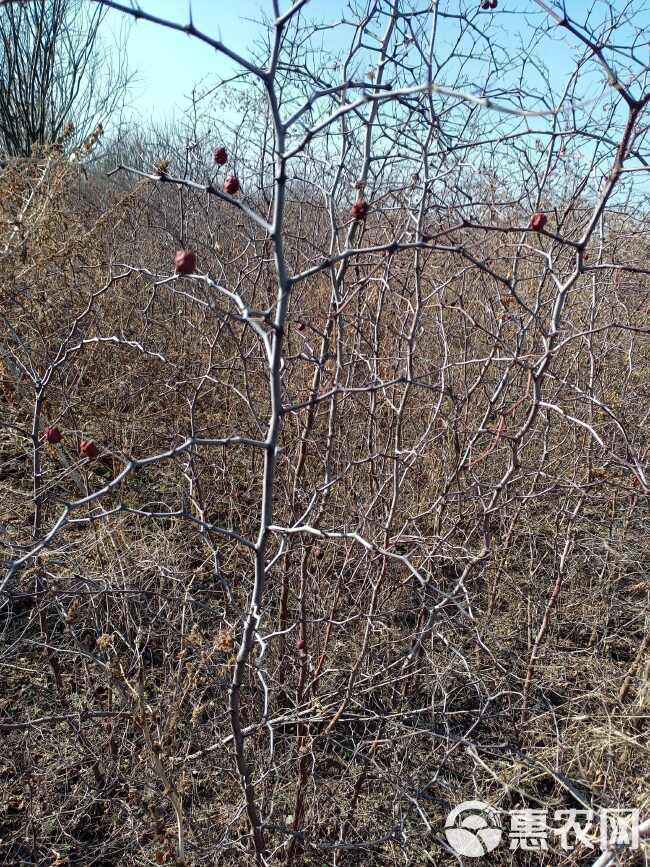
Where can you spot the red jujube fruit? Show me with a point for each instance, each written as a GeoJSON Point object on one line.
{"type": "Point", "coordinates": [360, 209]}
{"type": "Point", "coordinates": [88, 449]}
{"type": "Point", "coordinates": [231, 185]}
{"type": "Point", "coordinates": [53, 435]}
{"type": "Point", "coordinates": [185, 262]}
{"type": "Point", "coordinates": [538, 221]}
{"type": "Point", "coordinates": [220, 156]}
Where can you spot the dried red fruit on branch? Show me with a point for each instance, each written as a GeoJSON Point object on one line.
{"type": "Point", "coordinates": [220, 156]}
{"type": "Point", "coordinates": [231, 185]}
{"type": "Point", "coordinates": [485, 4]}
{"type": "Point", "coordinates": [493, 4]}
{"type": "Point", "coordinates": [53, 435]}
{"type": "Point", "coordinates": [318, 552]}
{"type": "Point", "coordinates": [300, 644]}
{"type": "Point", "coordinates": [185, 261]}
{"type": "Point", "coordinates": [88, 449]}
{"type": "Point", "coordinates": [538, 221]}
{"type": "Point", "coordinates": [360, 209]}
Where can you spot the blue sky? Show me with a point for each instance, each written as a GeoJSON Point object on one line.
{"type": "Point", "coordinates": [169, 63]}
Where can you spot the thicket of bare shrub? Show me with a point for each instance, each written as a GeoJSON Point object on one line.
{"type": "Point", "coordinates": [357, 546]}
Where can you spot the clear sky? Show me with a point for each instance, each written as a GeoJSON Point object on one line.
{"type": "Point", "coordinates": [169, 64]}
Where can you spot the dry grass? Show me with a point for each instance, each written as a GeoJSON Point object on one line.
{"type": "Point", "coordinates": [122, 633]}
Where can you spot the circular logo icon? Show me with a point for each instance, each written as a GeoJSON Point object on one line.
{"type": "Point", "coordinates": [473, 829]}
